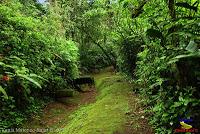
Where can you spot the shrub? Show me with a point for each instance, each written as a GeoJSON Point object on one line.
{"type": "Point", "coordinates": [32, 60]}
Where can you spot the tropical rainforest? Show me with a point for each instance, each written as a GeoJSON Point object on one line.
{"type": "Point", "coordinates": [153, 47]}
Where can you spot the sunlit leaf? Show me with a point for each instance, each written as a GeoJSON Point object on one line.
{"type": "Point", "coordinates": [37, 76]}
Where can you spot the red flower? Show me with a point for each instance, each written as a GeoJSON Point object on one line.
{"type": "Point", "coordinates": [5, 78]}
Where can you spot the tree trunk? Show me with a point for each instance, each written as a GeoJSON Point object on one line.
{"type": "Point", "coordinates": [172, 11]}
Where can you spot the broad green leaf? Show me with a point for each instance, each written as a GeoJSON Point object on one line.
{"type": "Point", "coordinates": [177, 104]}
{"type": "Point", "coordinates": [5, 65]}
{"type": "Point", "coordinates": [177, 58]}
{"type": "Point", "coordinates": [2, 64]}
{"type": "Point", "coordinates": [192, 46]}
{"type": "Point", "coordinates": [4, 92]}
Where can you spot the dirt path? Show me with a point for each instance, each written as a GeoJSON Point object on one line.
{"type": "Point", "coordinates": [55, 114]}
{"type": "Point", "coordinates": [112, 108]}
{"type": "Point", "coordinates": [136, 122]}
{"type": "Point", "coordinates": [117, 110]}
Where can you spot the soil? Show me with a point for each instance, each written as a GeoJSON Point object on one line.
{"type": "Point", "coordinates": [65, 106]}
{"type": "Point", "coordinates": [137, 116]}
{"type": "Point", "coordinates": [56, 114]}
{"type": "Point", "coordinates": [136, 119]}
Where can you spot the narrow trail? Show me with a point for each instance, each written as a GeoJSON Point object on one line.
{"type": "Point", "coordinates": [111, 108]}
{"type": "Point", "coordinates": [55, 114]}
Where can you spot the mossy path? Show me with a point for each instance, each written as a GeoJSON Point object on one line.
{"type": "Point", "coordinates": [111, 108]}
{"type": "Point", "coordinates": [116, 110]}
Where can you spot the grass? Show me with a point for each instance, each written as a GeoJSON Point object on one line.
{"type": "Point", "coordinates": [37, 121]}
{"type": "Point", "coordinates": [108, 114]}
{"type": "Point", "coordinates": [116, 110]}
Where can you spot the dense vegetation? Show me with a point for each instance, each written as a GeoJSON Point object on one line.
{"type": "Point", "coordinates": [154, 43]}
{"type": "Point", "coordinates": [34, 52]}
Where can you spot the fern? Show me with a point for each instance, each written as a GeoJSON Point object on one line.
{"type": "Point", "coordinates": [30, 79]}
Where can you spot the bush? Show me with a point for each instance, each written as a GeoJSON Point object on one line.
{"type": "Point", "coordinates": [168, 77]}
{"type": "Point", "coordinates": [127, 54]}
{"type": "Point", "coordinates": [32, 60]}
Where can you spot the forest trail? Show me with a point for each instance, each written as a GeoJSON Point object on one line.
{"type": "Point", "coordinates": [56, 114]}
{"type": "Point", "coordinates": [110, 109]}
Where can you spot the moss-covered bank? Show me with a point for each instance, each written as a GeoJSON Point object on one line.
{"type": "Point", "coordinates": [108, 114]}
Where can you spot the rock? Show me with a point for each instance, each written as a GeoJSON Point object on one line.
{"type": "Point", "coordinates": [64, 93]}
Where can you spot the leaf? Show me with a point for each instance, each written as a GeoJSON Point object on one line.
{"type": "Point", "coordinates": [177, 58]}
{"type": "Point", "coordinates": [50, 61]}
{"type": "Point", "coordinates": [15, 57]}
{"type": "Point", "coordinates": [35, 75]}
{"type": "Point", "coordinates": [180, 98]}
{"type": "Point", "coordinates": [192, 46]}
{"type": "Point", "coordinates": [163, 57]}
{"type": "Point", "coordinates": [4, 92]}
{"type": "Point", "coordinates": [2, 64]}
{"type": "Point", "coordinates": [30, 79]}
{"type": "Point", "coordinates": [5, 65]}
{"type": "Point", "coordinates": [177, 104]}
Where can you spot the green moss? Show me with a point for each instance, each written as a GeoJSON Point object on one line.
{"type": "Point", "coordinates": [107, 114]}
